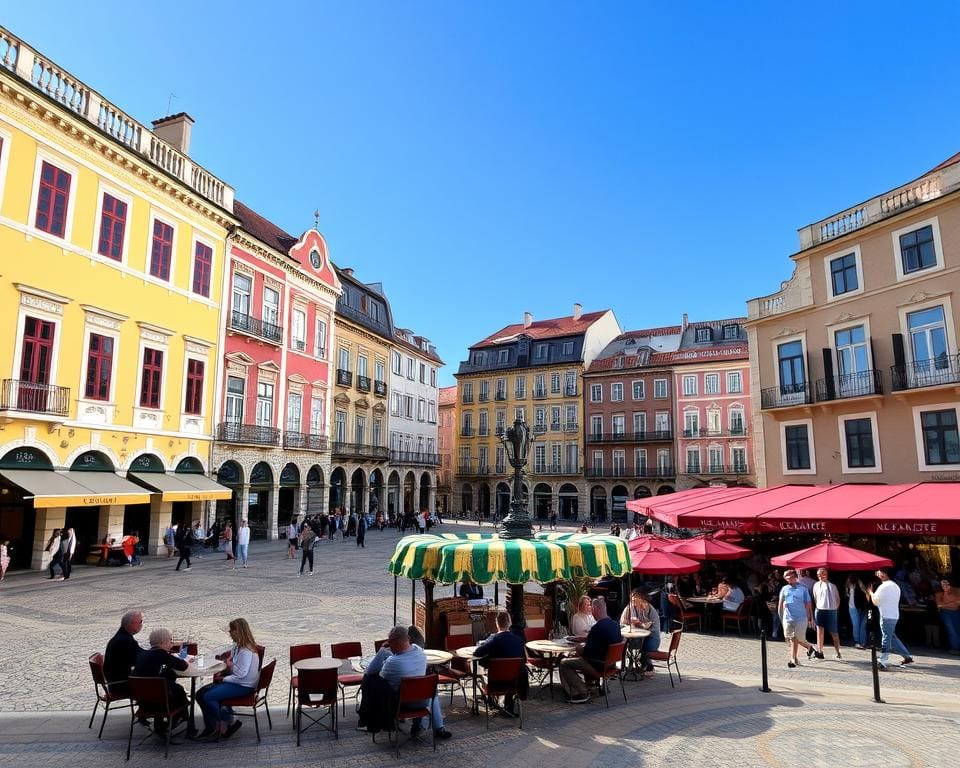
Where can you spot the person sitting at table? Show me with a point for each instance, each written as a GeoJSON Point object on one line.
{"type": "Point", "coordinates": [122, 652]}
{"type": "Point", "coordinates": [402, 658]}
{"type": "Point", "coordinates": [731, 594]}
{"type": "Point", "coordinates": [239, 679]}
{"type": "Point", "coordinates": [590, 655]}
{"type": "Point", "coordinates": [505, 644]}
{"type": "Point", "coordinates": [159, 662]}
{"type": "Point", "coordinates": [581, 621]}
{"type": "Point", "coordinates": [640, 614]}
{"type": "Point", "coordinates": [470, 590]}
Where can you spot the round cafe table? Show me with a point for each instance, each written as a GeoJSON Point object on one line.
{"type": "Point", "coordinates": [466, 652]}
{"type": "Point", "coordinates": [320, 662]}
{"type": "Point", "coordinates": [707, 603]}
{"type": "Point", "coordinates": [193, 672]}
{"type": "Point", "coordinates": [552, 650]}
{"type": "Point", "coordinates": [437, 657]}
{"type": "Point", "coordinates": [634, 637]}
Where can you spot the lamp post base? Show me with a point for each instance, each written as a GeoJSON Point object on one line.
{"type": "Point", "coordinates": [516, 525]}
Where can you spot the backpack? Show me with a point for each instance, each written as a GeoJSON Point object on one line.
{"type": "Point", "coordinates": [178, 537]}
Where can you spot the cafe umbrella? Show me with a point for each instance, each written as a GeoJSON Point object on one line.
{"type": "Point", "coordinates": [656, 562]}
{"type": "Point", "coordinates": [706, 548]}
{"type": "Point", "coordinates": [831, 554]}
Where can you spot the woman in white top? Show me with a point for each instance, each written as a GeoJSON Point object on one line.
{"type": "Point", "coordinates": [239, 679]}
{"type": "Point", "coordinates": [292, 535]}
{"type": "Point", "coordinates": [582, 620]}
{"type": "Point", "coordinates": [640, 614]}
{"type": "Point", "coordinates": [732, 596]}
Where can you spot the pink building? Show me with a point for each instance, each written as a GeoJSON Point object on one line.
{"type": "Point", "coordinates": [711, 381]}
{"type": "Point", "coordinates": [271, 443]}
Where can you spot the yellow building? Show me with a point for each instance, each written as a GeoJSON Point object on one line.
{"type": "Point", "coordinates": [111, 273]}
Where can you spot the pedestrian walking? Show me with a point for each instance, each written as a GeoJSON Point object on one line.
{"type": "Point", "coordinates": [292, 535]}
{"type": "Point", "coordinates": [857, 608]}
{"type": "Point", "coordinates": [826, 598]}
{"type": "Point", "coordinates": [184, 543]}
{"type": "Point", "coordinates": [4, 557]}
{"type": "Point", "coordinates": [307, 539]}
{"type": "Point", "coordinates": [887, 599]}
{"type": "Point", "coordinates": [243, 543]}
{"type": "Point", "coordinates": [227, 539]}
{"type": "Point", "coordinates": [68, 545]}
{"type": "Point", "coordinates": [169, 540]}
{"type": "Point", "coordinates": [795, 609]}
{"type": "Point", "coordinates": [361, 531]}
{"type": "Point", "coordinates": [53, 549]}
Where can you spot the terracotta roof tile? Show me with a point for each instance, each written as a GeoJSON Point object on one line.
{"type": "Point", "coordinates": [738, 351]}
{"type": "Point", "coordinates": [663, 330]}
{"type": "Point", "coordinates": [543, 329]}
{"type": "Point", "coordinates": [448, 395]}
{"type": "Point", "coordinates": [264, 230]}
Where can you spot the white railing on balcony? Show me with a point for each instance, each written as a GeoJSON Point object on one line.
{"type": "Point", "coordinates": [59, 86]}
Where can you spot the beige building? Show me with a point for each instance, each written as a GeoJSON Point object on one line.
{"type": "Point", "coordinates": [854, 363]}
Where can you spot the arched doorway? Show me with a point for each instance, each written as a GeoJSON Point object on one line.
{"type": "Point", "coordinates": [466, 500]}
{"type": "Point", "coordinates": [618, 509]}
{"type": "Point", "coordinates": [542, 499]}
{"type": "Point", "coordinates": [503, 500]}
{"type": "Point", "coordinates": [190, 465]}
{"type": "Point", "coordinates": [642, 492]}
{"type": "Point", "coordinates": [376, 491]}
{"type": "Point", "coordinates": [258, 503]}
{"type": "Point", "coordinates": [425, 492]}
{"type": "Point", "coordinates": [358, 487]}
{"type": "Point", "coordinates": [287, 502]}
{"type": "Point", "coordinates": [408, 500]}
{"type": "Point", "coordinates": [85, 525]}
{"type": "Point", "coordinates": [483, 499]}
{"type": "Point", "coordinates": [338, 487]}
{"type": "Point", "coordinates": [598, 504]}
{"type": "Point", "coordinates": [314, 490]}
{"type": "Point", "coordinates": [569, 501]}
{"type": "Point", "coordinates": [18, 518]}
{"type": "Point", "coordinates": [393, 495]}
{"type": "Point", "coordinates": [136, 517]}
{"type": "Point", "coordinates": [664, 489]}
{"type": "Point", "coordinates": [230, 474]}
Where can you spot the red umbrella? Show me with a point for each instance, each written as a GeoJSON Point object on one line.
{"type": "Point", "coordinates": [647, 541]}
{"type": "Point", "coordinates": [657, 562]}
{"type": "Point", "coordinates": [832, 555]}
{"type": "Point", "coordinates": [727, 534]}
{"type": "Point", "coordinates": [706, 548]}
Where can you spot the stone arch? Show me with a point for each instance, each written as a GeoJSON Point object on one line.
{"type": "Point", "coordinates": [181, 457]}
{"type": "Point", "coordinates": [103, 449]}
{"type": "Point", "coordinates": [394, 499]}
{"type": "Point", "coordinates": [146, 461]}
{"type": "Point", "coordinates": [338, 487]}
{"type": "Point", "coordinates": [466, 499]}
{"type": "Point", "coordinates": [409, 484]}
{"type": "Point", "coordinates": [598, 503]}
{"type": "Point", "coordinates": [502, 499]}
{"type": "Point", "coordinates": [190, 465]}
{"type": "Point", "coordinates": [230, 473]}
{"type": "Point", "coordinates": [569, 500]}
{"type": "Point", "coordinates": [664, 489]}
{"type": "Point", "coordinates": [358, 490]}
{"type": "Point", "coordinates": [542, 501]}
{"type": "Point", "coordinates": [426, 482]}
{"type": "Point", "coordinates": [483, 499]}
{"type": "Point", "coordinates": [32, 457]}
{"type": "Point", "coordinates": [95, 460]}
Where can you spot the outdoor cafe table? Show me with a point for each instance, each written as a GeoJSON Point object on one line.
{"type": "Point", "coordinates": [466, 652]}
{"type": "Point", "coordinates": [193, 672]}
{"type": "Point", "coordinates": [320, 662]}
{"type": "Point", "coordinates": [634, 636]}
{"type": "Point", "coordinates": [707, 603]}
{"type": "Point", "coordinates": [552, 650]}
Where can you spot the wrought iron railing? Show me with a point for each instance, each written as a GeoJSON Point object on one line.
{"type": "Point", "coordinates": [19, 395]}
{"type": "Point", "coordinates": [305, 440]}
{"type": "Point", "coordinates": [858, 384]}
{"type": "Point", "coordinates": [344, 377]}
{"type": "Point", "coordinates": [233, 432]}
{"type": "Point", "coordinates": [944, 369]}
{"type": "Point", "coordinates": [630, 437]}
{"type": "Point", "coordinates": [363, 383]}
{"type": "Point", "coordinates": [414, 457]}
{"type": "Point", "coordinates": [785, 395]}
{"type": "Point", "coordinates": [255, 327]}
{"type": "Point", "coordinates": [360, 451]}
{"type": "Point", "coordinates": [380, 388]}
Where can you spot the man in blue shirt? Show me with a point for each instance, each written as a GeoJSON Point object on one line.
{"type": "Point", "coordinates": [505, 645]}
{"type": "Point", "coordinates": [796, 611]}
{"type": "Point", "coordinates": [592, 653]}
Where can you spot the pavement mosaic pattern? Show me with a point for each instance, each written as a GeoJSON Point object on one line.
{"type": "Point", "coordinates": [820, 714]}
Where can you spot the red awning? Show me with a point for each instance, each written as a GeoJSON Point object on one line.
{"type": "Point", "coordinates": [673, 507]}
{"type": "Point", "coordinates": [925, 509]}
{"type": "Point", "coordinates": [828, 510]}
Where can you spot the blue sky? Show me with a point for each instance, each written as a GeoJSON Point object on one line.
{"type": "Point", "coordinates": [489, 158]}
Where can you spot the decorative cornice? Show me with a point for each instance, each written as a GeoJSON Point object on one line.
{"type": "Point", "coordinates": [240, 238]}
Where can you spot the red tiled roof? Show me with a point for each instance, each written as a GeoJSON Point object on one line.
{"type": "Point", "coordinates": [737, 351]}
{"type": "Point", "coordinates": [664, 330]}
{"type": "Point", "coordinates": [448, 395]}
{"type": "Point", "coordinates": [265, 231]}
{"type": "Point", "coordinates": [630, 362]}
{"type": "Point", "coordinates": [711, 323]}
{"type": "Point", "coordinates": [949, 161]}
{"type": "Point", "coordinates": [543, 329]}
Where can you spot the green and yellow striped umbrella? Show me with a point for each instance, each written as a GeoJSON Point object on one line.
{"type": "Point", "coordinates": [515, 561]}
{"type": "Point", "coordinates": [589, 554]}
{"type": "Point", "coordinates": [418, 556]}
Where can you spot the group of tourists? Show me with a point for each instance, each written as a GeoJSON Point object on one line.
{"type": "Point", "coordinates": [183, 539]}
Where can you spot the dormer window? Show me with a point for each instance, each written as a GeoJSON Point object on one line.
{"type": "Point", "coordinates": [704, 334]}
{"type": "Point", "coordinates": [618, 362]}
{"type": "Point", "coordinates": [503, 356]}
{"type": "Point", "coordinates": [731, 331]}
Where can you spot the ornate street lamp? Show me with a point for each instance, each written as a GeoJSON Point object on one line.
{"type": "Point", "coordinates": [516, 442]}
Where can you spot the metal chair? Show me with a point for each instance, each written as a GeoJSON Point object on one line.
{"type": "Point", "coordinates": [742, 614]}
{"type": "Point", "coordinates": [683, 615]}
{"type": "Point", "coordinates": [299, 653]}
{"type": "Point", "coordinates": [102, 689]}
{"type": "Point", "coordinates": [317, 689]}
{"type": "Point", "coordinates": [150, 699]}
{"type": "Point", "coordinates": [503, 679]}
{"type": "Point", "coordinates": [669, 656]}
{"type": "Point", "coordinates": [256, 699]}
{"type": "Point", "coordinates": [416, 696]}
{"type": "Point", "coordinates": [610, 667]}
{"type": "Point", "coordinates": [348, 679]}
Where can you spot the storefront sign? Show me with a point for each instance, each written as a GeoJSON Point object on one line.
{"type": "Point", "coordinates": [894, 526]}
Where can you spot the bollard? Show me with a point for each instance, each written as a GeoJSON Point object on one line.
{"type": "Point", "coordinates": [764, 688]}
{"type": "Point", "coordinates": [876, 675]}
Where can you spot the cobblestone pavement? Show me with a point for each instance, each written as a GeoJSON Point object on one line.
{"type": "Point", "coordinates": [819, 714]}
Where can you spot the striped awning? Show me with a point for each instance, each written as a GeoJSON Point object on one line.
{"type": "Point", "coordinates": [591, 554]}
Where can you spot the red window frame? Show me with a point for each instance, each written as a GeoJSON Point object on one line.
{"type": "Point", "coordinates": [193, 402]}
{"type": "Point", "coordinates": [151, 378]}
{"type": "Point", "coordinates": [113, 225]}
{"type": "Point", "coordinates": [162, 249]}
{"type": "Point", "coordinates": [202, 266]}
{"type": "Point", "coordinates": [53, 198]}
{"type": "Point", "coordinates": [99, 367]}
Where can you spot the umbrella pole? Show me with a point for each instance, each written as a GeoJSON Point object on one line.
{"type": "Point", "coordinates": [517, 620]}
{"type": "Point", "coordinates": [413, 601]}
{"type": "Point", "coordinates": [496, 593]}
{"type": "Point", "coordinates": [394, 601]}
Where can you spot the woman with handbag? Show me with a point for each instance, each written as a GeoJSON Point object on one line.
{"type": "Point", "coordinates": [239, 679]}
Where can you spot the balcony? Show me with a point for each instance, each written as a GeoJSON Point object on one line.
{"type": "Point", "coordinates": [926, 373]}
{"type": "Point", "coordinates": [471, 469]}
{"type": "Point", "coordinates": [716, 469]}
{"type": "Point", "coordinates": [539, 429]}
{"type": "Point", "coordinates": [250, 434]}
{"type": "Point", "coordinates": [414, 457]}
{"type": "Point", "coordinates": [697, 433]}
{"type": "Point", "coordinates": [359, 451]}
{"type": "Point", "coordinates": [380, 388]}
{"type": "Point", "coordinates": [344, 377]}
{"type": "Point", "coordinates": [786, 396]}
{"type": "Point", "coordinates": [305, 441]}
{"type": "Point", "coordinates": [466, 431]}
{"type": "Point", "coordinates": [631, 471]}
{"type": "Point", "coordinates": [520, 395]}
{"type": "Point", "coordinates": [554, 426]}
{"type": "Point", "coordinates": [299, 345]}
{"type": "Point", "coordinates": [18, 395]}
{"type": "Point", "coordinates": [570, 391]}
{"type": "Point", "coordinates": [539, 394]}
{"type": "Point", "coordinates": [630, 437]}
{"type": "Point", "coordinates": [501, 395]}
{"type": "Point", "coordinates": [255, 327]}
{"type": "Point", "coordinates": [571, 426]}
{"type": "Point", "coordinates": [363, 383]}
{"type": "Point", "coordinates": [862, 384]}
{"type": "Point", "coordinates": [483, 397]}
{"type": "Point", "coordinates": [556, 469]}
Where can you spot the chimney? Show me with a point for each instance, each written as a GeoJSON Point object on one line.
{"type": "Point", "coordinates": [347, 271]}
{"type": "Point", "coordinates": [527, 319]}
{"type": "Point", "coordinates": [175, 130]}
{"type": "Point", "coordinates": [577, 310]}
{"type": "Point", "coordinates": [683, 325]}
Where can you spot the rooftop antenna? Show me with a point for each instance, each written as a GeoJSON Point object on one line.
{"type": "Point", "coordinates": [316, 219]}
{"type": "Point", "coordinates": [170, 101]}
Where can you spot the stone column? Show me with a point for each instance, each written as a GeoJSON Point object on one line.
{"type": "Point", "coordinates": [46, 521]}
{"type": "Point", "coordinates": [300, 503]}
{"type": "Point", "coordinates": [274, 513]}
{"type": "Point", "coordinates": [416, 493]}
{"type": "Point", "coordinates": [243, 507]}
{"type": "Point", "coordinates": [110, 522]}
{"type": "Point", "coordinates": [433, 498]}
{"type": "Point", "coordinates": [161, 513]}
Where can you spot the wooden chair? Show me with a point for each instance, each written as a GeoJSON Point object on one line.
{"type": "Point", "coordinates": [503, 679]}
{"type": "Point", "coordinates": [378, 645]}
{"type": "Point", "coordinates": [683, 615]}
{"type": "Point", "coordinates": [610, 667]}
{"type": "Point", "coordinates": [299, 653]}
{"type": "Point", "coordinates": [102, 690]}
{"type": "Point", "coordinates": [737, 617]}
{"type": "Point", "coordinates": [317, 690]}
{"type": "Point", "coordinates": [459, 670]}
{"type": "Point", "coordinates": [150, 699]}
{"type": "Point", "coordinates": [347, 679]}
{"type": "Point", "coordinates": [256, 699]}
{"type": "Point", "coordinates": [538, 664]}
{"type": "Point", "coordinates": [416, 696]}
{"type": "Point", "coordinates": [669, 656]}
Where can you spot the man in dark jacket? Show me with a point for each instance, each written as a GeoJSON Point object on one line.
{"type": "Point", "coordinates": [505, 645]}
{"type": "Point", "coordinates": [159, 662]}
{"type": "Point", "coordinates": [121, 654]}
{"type": "Point", "coordinates": [591, 654]}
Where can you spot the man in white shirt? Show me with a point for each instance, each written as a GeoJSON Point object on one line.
{"type": "Point", "coordinates": [826, 599]}
{"type": "Point", "coordinates": [887, 599]}
{"type": "Point", "coordinates": [243, 542]}
{"type": "Point", "coordinates": [804, 580]}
